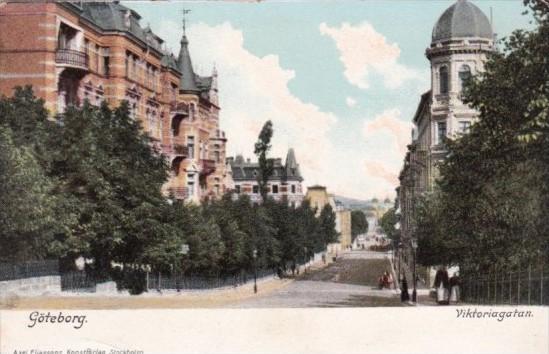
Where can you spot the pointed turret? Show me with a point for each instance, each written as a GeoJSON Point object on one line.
{"type": "Point", "coordinates": [291, 166]}
{"type": "Point", "coordinates": [214, 98]}
{"type": "Point", "coordinates": [188, 82]}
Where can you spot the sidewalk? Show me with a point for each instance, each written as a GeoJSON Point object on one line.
{"type": "Point", "coordinates": [423, 293]}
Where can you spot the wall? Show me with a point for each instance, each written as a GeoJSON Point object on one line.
{"type": "Point", "coordinates": [31, 286]}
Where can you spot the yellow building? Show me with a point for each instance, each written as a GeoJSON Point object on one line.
{"type": "Point", "coordinates": [318, 197]}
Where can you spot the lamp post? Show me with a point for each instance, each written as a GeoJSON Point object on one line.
{"type": "Point", "coordinates": [255, 270]}
{"type": "Point", "coordinates": [399, 252]}
{"type": "Point", "coordinates": [414, 293]}
{"type": "Point", "coordinates": [306, 259]}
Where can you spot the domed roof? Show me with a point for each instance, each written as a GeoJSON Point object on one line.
{"type": "Point", "coordinates": [462, 19]}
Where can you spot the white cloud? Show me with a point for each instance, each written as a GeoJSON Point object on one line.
{"type": "Point", "coordinates": [387, 137]}
{"type": "Point", "coordinates": [255, 89]}
{"type": "Point", "coordinates": [363, 51]}
{"type": "Point", "coordinates": [351, 102]}
{"type": "Point", "coordinates": [390, 122]}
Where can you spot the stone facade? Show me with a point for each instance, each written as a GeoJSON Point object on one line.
{"type": "Point", "coordinates": [284, 184]}
{"type": "Point", "coordinates": [70, 52]}
{"type": "Point", "coordinates": [462, 39]}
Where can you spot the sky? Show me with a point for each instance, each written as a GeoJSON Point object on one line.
{"type": "Point", "coordinates": [339, 80]}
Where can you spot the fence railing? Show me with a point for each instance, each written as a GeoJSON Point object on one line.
{"type": "Point", "coordinates": [83, 281]}
{"type": "Point", "coordinates": [157, 281]}
{"type": "Point", "coordinates": [25, 270]}
{"type": "Point", "coordinates": [527, 287]}
{"type": "Point", "coordinates": [78, 281]}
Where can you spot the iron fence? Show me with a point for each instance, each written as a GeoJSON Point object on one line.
{"type": "Point", "coordinates": [23, 270]}
{"type": "Point", "coordinates": [156, 281]}
{"type": "Point", "coordinates": [528, 286]}
{"type": "Point", "coordinates": [78, 281]}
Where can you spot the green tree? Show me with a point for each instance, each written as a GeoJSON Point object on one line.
{"type": "Point", "coordinates": [27, 211]}
{"type": "Point", "coordinates": [262, 147]}
{"type": "Point", "coordinates": [359, 224]}
{"type": "Point", "coordinates": [388, 222]}
{"type": "Point", "coordinates": [327, 224]}
{"type": "Point", "coordinates": [493, 188]}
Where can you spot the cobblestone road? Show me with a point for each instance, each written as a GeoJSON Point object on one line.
{"type": "Point", "coordinates": [349, 282]}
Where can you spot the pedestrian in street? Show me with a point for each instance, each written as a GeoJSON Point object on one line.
{"type": "Point", "coordinates": [404, 295]}
{"type": "Point", "coordinates": [442, 285]}
{"type": "Point", "coordinates": [454, 288]}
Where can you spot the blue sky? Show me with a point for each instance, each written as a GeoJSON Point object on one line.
{"type": "Point", "coordinates": [340, 80]}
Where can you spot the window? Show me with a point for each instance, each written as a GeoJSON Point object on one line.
{"type": "Point", "coordinates": [464, 126]}
{"type": "Point", "coordinates": [216, 188]}
{"type": "Point", "coordinates": [464, 75]}
{"type": "Point", "coordinates": [443, 77]}
{"type": "Point", "coordinates": [293, 188]}
{"type": "Point", "coordinates": [441, 132]}
{"type": "Point", "coordinates": [255, 189]}
{"type": "Point", "coordinates": [275, 188]}
{"type": "Point", "coordinates": [190, 145]}
{"type": "Point", "coordinates": [190, 184]}
{"type": "Point", "coordinates": [97, 61]}
{"type": "Point", "coordinates": [87, 47]}
{"type": "Point", "coordinates": [106, 62]}
{"type": "Point", "coordinates": [237, 189]}
{"type": "Point", "coordinates": [217, 156]}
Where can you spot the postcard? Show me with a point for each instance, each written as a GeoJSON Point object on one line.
{"type": "Point", "coordinates": [274, 176]}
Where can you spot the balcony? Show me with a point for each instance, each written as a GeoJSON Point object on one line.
{"type": "Point", "coordinates": [175, 149]}
{"type": "Point", "coordinates": [179, 108]}
{"type": "Point", "coordinates": [180, 193]}
{"type": "Point", "coordinates": [72, 58]}
{"type": "Point", "coordinates": [207, 167]}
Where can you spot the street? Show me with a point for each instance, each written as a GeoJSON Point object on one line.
{"type": "Point", "coordinates": [349, 282]}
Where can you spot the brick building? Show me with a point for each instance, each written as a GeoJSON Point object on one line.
{"type": "Point", "coordinates": [70, 52]}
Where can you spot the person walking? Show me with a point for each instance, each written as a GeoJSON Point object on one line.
{"type": "Point", "coordinates": [454, 288]}
{"type": "Point", "coordinates": [442, 285]}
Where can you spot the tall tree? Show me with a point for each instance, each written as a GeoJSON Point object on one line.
{"type": "Point", "coordinates": [262, 147]}
{"type": "Point", "coordinates": [327, 225]}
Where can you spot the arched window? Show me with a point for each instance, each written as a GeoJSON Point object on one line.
{"type": "Point", "coordinates": [443, 77]}
{"type": "Point", "coordinates": [464, 74]}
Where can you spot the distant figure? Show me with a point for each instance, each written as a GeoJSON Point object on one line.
{"type": "Point", "coordinates": [442, 285]}
{"type": "Point", "coordinates": [404, 296]}
{"type": "Point", "coordinates": [390, 280]}
{"type": "Point", "coordinates": [454, 288]}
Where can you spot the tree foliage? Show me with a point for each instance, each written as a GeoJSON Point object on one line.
{"type": "Point", "coordinates": [266, 165]}
{"type": "Point", "coordinates": [494, 186]}
{"type": "Point", "coordinates": [388, 222]}
{"type": "Point", "coordinates": [89, 184]}
{"type": "Point", "coordinates": [359, 224]}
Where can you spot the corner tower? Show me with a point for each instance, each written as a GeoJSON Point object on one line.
{"type": "Point", "coordinates": [461, 39]}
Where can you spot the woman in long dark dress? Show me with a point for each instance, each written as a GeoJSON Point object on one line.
{"type": "Point", "coordinates": [404, 296]}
